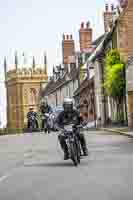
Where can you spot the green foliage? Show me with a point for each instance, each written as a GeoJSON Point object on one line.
{"type": "Point", "coordinates": [115, 83]}
{"type": "Point", "coordinates": [114, 75]}
{"type": "Point", "coordinates": [112, 58]}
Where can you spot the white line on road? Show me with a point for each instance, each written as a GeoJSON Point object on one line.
{"type": "Point", "coordinates": [2, 178]}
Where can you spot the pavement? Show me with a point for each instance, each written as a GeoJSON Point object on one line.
{"type": "Point", "coordinates": [32, 168]}
{"type": "Point", "coordinates": [121, 130]}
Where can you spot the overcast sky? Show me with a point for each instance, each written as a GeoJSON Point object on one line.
{"type": "Point", "coordinates": [35, 26]}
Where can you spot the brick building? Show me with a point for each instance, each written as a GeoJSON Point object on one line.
{"type": "Point", "coordinates": [130, 65]}
{"type": "Point", "coordinates": [68, 49]}
{"type": "Point", "coordinates": [62, 84]}
{"type": "Point", "coordinates": [85, 36]}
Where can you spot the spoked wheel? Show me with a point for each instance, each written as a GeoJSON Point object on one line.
{"type": "Point", "coordinates": [78, 152]}
{"type": "Point", "coordinates": [31, 127]}
{"type": "Point", "coordinates": [74, 155]}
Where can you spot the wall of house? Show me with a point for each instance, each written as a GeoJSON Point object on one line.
{"type": "Point", "coordinates": [102, 103]}
{"type": "Point", "coordinates": [98, 93]}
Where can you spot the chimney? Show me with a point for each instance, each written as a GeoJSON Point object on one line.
{"type": "Point", "coordinates": [124, 3]}
{"type": "Point", "coordinates": [108, 17]}
{"type": "Point", "coordinates": [85, 35]}
{"type": "Point", "coordinates": [68, 48]}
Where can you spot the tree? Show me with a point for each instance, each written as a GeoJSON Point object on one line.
{"type": "Point", "coordinates": [115, 83]}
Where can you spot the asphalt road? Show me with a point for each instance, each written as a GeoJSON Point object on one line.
{"type": "Point", "coordinates": [32, 168]}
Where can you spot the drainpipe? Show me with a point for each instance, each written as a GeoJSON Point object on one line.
{"type": "Point", "coordinates": [103, 89]}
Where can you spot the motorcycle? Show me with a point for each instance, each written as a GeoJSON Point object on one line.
{"type": "Point", "coordinates": [46, 122]}
{"type": "Point", "coordinates": [73, 144]}
{"type": "Point", "coordinates": [32, 123]}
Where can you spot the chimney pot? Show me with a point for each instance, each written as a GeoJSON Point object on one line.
{"type": "Point", "coordinates": [63, 36]}
{"type": "Point", "coordinates": [88, 24]}
{"type": "Point", "coordinates": [71, 37]}
{"type": "Point", "coordinates": [82, 25]}
{"type": "Point", "coordinates": [106, 7]}
{"type": "Point", "coordinates": [67, 37]}
{"type": "Point", "coordinates": [112, 7]}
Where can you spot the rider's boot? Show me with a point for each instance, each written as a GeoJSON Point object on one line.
{"type": "Point", "coordinates": [85, 151]}
{"type": "Point", "coordinates": [66, 156]}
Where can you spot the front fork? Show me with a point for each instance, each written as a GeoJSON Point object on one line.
{"type": "Point", "coordinates": [69, 141]}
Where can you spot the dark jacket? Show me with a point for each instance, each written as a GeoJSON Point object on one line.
{"type": "Point", "coordinates": [29, 114]}
{"type": "Point", "coordinates": [68, 118]}
{"type": "Point", "coordinates": [46, 109]}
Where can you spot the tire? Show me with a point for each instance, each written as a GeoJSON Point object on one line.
{"type": "Point", "coordinates": [31, 127]}
{"type": "Point", "coordinates": [74, 156]}
{"type": "Point", "coordinates": [78, 150]}
{"type": "Point", "coordinates": [78, 154]}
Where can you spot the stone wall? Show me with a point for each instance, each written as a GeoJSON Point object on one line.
{"type": "Point", "coordinates": [22, 92]}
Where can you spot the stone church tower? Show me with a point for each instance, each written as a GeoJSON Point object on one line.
{"type": "Point", "coordinates": [23, 86]}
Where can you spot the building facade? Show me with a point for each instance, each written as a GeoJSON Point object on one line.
{"type": "Point", "coordinates": [63, 84]}
{"type": "Point", "coordinates": [23, 90]}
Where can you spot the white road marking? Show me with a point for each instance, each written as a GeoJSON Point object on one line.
{"type": "Point", "coordinates": [2, 178]}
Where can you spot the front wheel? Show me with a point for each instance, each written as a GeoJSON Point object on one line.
{"type": "Point", "coordinates": [74, 155]}
{"type": "Point", "coordinates": [78, 150]}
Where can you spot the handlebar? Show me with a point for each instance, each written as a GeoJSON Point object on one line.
{"type": "Point", "coordinates": [65, 130]}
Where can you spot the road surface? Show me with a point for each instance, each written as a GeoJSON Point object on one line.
{"type": "Point", "coordinates": [32, 168]}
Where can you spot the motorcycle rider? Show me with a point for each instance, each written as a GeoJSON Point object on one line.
{"type": "Point", "coordinates": [70, 116]}
{"type": "Point", "coordinates": [45, 108]}
{"type": "Point", "coordinates": [29, 115]}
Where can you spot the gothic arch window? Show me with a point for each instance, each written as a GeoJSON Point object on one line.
{"type": "Point", "coordinates": [33, 95]}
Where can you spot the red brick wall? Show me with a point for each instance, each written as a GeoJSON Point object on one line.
{"type": "Point", "coordinates": [68, 48]}
{"type": "Point", "coordinates": [85, 35]}
{"type": "Point", "coordinates": [130, 27]}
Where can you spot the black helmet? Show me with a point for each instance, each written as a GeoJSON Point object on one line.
{"type": "Point", "coordinates": [68, 105]}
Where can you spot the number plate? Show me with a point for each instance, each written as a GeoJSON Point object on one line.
{"type": "Point", "coordinates": [68, 127]}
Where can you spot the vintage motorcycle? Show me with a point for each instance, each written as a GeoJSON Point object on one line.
{"type": "Point", "coordinates": [32, 123]}
{"type": "Point", "coordinates": [71, 136]}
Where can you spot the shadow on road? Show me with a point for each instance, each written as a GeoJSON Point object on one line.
{"type": "Point", "coordinates": [55, 164]}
